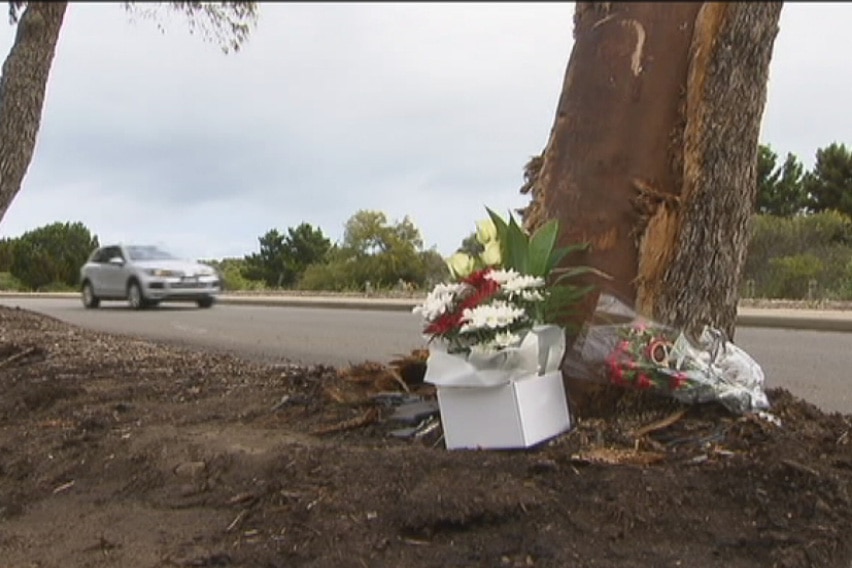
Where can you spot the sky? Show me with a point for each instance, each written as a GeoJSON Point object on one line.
{"type": "Point", "coordinates": [425, 110]}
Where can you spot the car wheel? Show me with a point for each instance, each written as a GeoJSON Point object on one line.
{"type": "Point", "coordinates": [89, 298]}
{"type": "Point", "coordinates": [205, 302]}
{"type": "Point", "coordinates": [135, 297]}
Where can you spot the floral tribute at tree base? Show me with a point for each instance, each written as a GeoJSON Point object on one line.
{"type": "Point", "coordinates": [497, 345]}
{"type": "Point", "coordinates": [494, 351]}
{"type": "Point", "coordinates": [629, 351]}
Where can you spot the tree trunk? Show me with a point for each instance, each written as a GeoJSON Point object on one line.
{"type": "Point", "coordinates": [22, 89]}
{"type": "Point", "coordinates": [653, 152]}
{"type": "Point", "coordinates": [652, 158]}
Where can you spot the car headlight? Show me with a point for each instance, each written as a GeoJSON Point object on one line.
{"type": "Point", "coordinates": [162, 272]}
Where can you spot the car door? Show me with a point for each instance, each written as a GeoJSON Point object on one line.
{"type": "Point", "coordinates": [94, 271]}
{"type": "Point", "coordinates": [112, 274]}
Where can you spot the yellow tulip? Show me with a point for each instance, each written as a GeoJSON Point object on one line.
{"type": "Point", "coordinates": [491, 255]}
{"type": "Point", "coordinates": [486, 231]}
{"type": "Point", "coordinates": [461, 265]}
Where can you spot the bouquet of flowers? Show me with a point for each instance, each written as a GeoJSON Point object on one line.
{"type": "Point", "coordinates": [494, 322]}
{"type": "Point", "coordinates": [641, 354]}
{"type": "Point", "coordinates": [643, 358]}
{"type": "Point", "coordinates": [499, 295]}
{"type": "Point", "coordinates": [495, 349]}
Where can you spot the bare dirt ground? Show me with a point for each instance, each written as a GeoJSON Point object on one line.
{"type": "Point", "coordinates": [119, 452]}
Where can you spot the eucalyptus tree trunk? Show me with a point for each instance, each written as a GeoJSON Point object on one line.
{"type": "Point", "coordinates": [22, 89]}
{"type": "Point", "coordinates": [652, 156]}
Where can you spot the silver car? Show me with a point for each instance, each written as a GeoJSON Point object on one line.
{"type": "Point", "coordinates": [144, 276]}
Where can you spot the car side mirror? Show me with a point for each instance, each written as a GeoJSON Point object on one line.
{"type": "Point", "coordinates": [116, 260]}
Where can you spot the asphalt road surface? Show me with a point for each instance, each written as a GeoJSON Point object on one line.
{"type": "Point", "coordinates": [813, 365]}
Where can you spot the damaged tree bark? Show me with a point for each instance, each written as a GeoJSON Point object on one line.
{"type": "Point", "coordinates": [22, 89]}
{"type": "Point", "coordinates": [653, 152]}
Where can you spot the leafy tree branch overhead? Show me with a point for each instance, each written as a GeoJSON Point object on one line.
{"type": "Point", "coordinates": [26, 70]}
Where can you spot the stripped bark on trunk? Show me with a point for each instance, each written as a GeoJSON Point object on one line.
{"type": "Point", "coordinates": [653, 151]}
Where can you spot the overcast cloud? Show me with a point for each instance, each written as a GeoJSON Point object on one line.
{"type": "Point", "coordinates": [426, 110]}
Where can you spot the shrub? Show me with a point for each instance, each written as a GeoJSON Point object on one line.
{"type": "Point", "coordinates": [786, 248]}
{"type": "Point", "coordinates": [52, 254]}
{"type": "Point", "coordinates": [9, 283]}
{"type": "Point", "coordinates": [791, 276]}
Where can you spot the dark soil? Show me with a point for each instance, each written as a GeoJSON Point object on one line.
{"type": "Point", "coordinates": [118, 452]}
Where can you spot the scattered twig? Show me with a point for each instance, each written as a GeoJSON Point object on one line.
{"type": "Point", "coordinates": [242, 498]}
{"type": "Point", "coordinates": [15, 356]}
{"type": "Point", "coordinates": [237, 520]}
{"type": "Point", "coordinates": [659, 424]}
{"type": "Point", "coordinates": [801, 468]}
{"type": "Point", "coordinates": [281, 403]}
{"type": "Point", "coordinates": [310, 528]}
{"type": "Point", "coordinates": [395, 375]}
{"type": "Point", "coordinates": [63, 487]}
{"type": "Point", "coordinates": [103, 545]}
{"type": "Point", "coordinates": [369, 417]}
{"type": "Point", "coordinates": [616, 456]}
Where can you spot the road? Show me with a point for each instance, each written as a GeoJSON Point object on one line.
{"type": "Point", "coordinates": [813, 365]}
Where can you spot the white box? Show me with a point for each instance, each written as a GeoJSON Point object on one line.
{"type": "Point", "coordinates": [517, 414]}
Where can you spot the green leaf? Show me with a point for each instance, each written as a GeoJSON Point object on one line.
{"type": "Point", "coordinates": [518, 248]}
{"type": "Point", "coordinates": [502, 227]}
{"type": "Point", "coordinates": [560, 253]}
{"type": "Point", "coordinates": [541, 248]}
{"type": "Point", "coordinates": [565, 273]}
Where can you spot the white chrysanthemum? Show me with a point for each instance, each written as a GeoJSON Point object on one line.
{"type": "Point", "coordinates": [491, 316]}
{"type": "Point", "coordinates": [439, 300]}
{"type": "Point", "coordinates": [505, 339]}
{"type": "Point", "coordinates": [511, 281]}
{"type": "Point", "coordinates": [502, 276]}
{"type": "Point", "coordinates": [523, 282]}
{"type": "Point", "coordinates": [500, 341]}
{"type": "Point", "coordinates": [532, 296]}
{"type": "Point", "coordinates": [482, 349]}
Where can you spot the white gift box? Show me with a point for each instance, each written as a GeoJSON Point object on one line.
{"type": "Point", "coordinates": [518, 414]}
{"type": "Point", "coordinates": [512, 399]}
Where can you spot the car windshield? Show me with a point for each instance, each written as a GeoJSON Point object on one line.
{"type": "Point", "coordinates": [149, 253]}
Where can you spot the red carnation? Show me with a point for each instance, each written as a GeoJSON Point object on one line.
{"type": "Point", "coordinates": [677, 381]}
{"type": "Point", "coordinates": [444, 323]}
{"type": "Point", "coordinates": [483, 289]}
{"type": "Point", "coordinates": [476, 279]}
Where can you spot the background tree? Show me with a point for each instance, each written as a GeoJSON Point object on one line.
{"type": "Point", "coordinates": [305, 245]}
{"type": "Point", "coordinates": [282, 259]}
{"type": "Point", "coordinates": [435, 269]}
{"type": "Point", "coordinates": [652, 156]}
{"type": "Point", "coordinates": [377, 251]}
{"type": "Point", "coordinates": [829, 184]}
{"type": "Point", "coordinates": [52, 254]}
{"type": "Point", "coordinates": [270, 264]}
{"type": "Point", "coordinates": [780, 191]}
{"type": "Point", "coordinates": [6, 254]}
{"type": "Point", "coordinates": [470, 245]}
{"type": "Point", "coordinates": [27, 69]}
{"type": "Point", "coordinates": [383, 253]}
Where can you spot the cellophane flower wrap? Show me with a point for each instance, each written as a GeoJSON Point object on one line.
{"type": "Point", "coordinates": [633, 352]}
{"type": "Point", "coordinates": [493, 321]}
